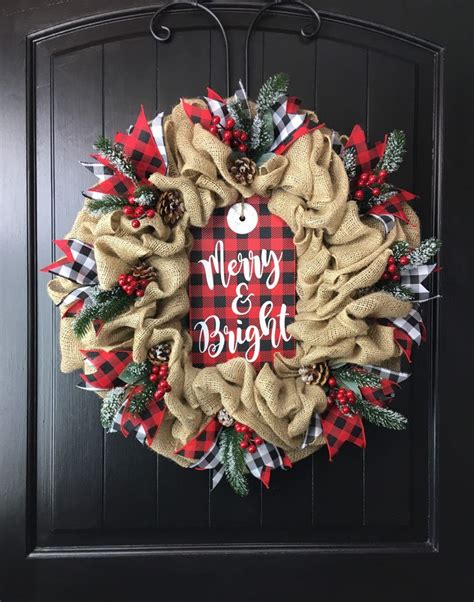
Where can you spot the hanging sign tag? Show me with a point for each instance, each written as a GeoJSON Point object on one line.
{"type": "Point", "coordinates": [242, 286]}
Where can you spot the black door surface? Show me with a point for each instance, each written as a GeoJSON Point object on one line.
{"type": "Point", "coordinates": [84, 517]}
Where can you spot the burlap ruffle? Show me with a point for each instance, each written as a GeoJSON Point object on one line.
{"type": "Point", "coordinates": [338, 253]}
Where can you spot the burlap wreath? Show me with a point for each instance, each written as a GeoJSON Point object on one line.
{"type": "Point", "coordinates": [338, 254]}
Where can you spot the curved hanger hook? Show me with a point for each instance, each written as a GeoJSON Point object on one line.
{"type": "Point", "coordinates": [307, 31]}
{"type": "Point", "coordinates": [166, 31]}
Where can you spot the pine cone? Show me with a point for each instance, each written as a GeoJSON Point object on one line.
{"type": "Point", "coordinates": [159, 354]}
{"type": "Point", "coordinates": [170, 206]}
{"type": "Point", "coordinates": [317, 374]}
{"type": "Point", "coordinates": [243, 170]}
{"type": "Point", "coordinates": [143, 271]}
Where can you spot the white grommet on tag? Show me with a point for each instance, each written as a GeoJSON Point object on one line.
{"type": "Point", "coordinates": [242, 218]}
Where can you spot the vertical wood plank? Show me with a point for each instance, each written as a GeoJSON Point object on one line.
{"type": "Point", "coordinates": [129, 469]}
{"type": "Point", "coordinates": [77, 434]}
{"type": "Point", "coordinates": [341, 103]}
{"type": "Point", "coordinates": [387, 457]}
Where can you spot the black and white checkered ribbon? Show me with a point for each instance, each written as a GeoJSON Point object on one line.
{"type": "Point", "coordinates": [385, 373]}
{"type": "Point", "coordinates": [102, 172]}
{"type": "Point", "coordinates": [387, 220]}
{"type": "Point", "coordinates": [82, 269]}
{"type": "Point", "coordinates": [313, 432]}
{"type": "Point", "coordinates": [284, 123]}
{"type": "Point", "coordinates": [156, 126]}
{"type": "Point", "coordinates": [413, 276]}
{"type": "Point", "coordinates": [217, 109]}
{"type": "Point", "coordinates": [265, 456]}
{"type": "Point", "coordinates": [412, 324]}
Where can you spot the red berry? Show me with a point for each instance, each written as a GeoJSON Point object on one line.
{"type": "Point", "coordinates": [229, 123]}
{"type": "Point", "coordinates": [372, 179]}
{"type": "Point", "coordinates": [243, 148]}
{"type": "Point", "coordinates": [150, 213]}
{"type": "Point", "coordinates": [386, 276]}
{"type": "Point", "coordinates": [244, 444]}
{"type": "Point", "coordinates": [236, 133]}
{"type": "Point", "coordinates": [333, 394]}
{"type": "Point", "coordinates": [345, 410]}
{"type": "Point", "coordinates": [252, 448]}
{"type": "Point", "coordinates": [391, 259]}
{"type": "Point", "coordinates": [396, 277]}
{"type": "Point", "coordinates": [129, 290]}
{"type": "Point", "coordinates": [158, 394]}
{"type": "Point", "coordinates": [227, 136]}
{"type": "Point", "coordinates": [216, 120]}
{"type": "Point", "coordinates": [392, 268]}
{"type": "Point", "coordinates": [360, 182]}
{"type": "Point", "coordinates": [258, 441]}
{"type": "Point", "coordinates": [383, 173]}
{"type": "Point", "coordinates": [244, 136]}
{"type": "Point", "coordinates": [135, 223]}
{"type": "Point", "coordinates": [404, 260]}
{"type": "Point", "coordinates": [246, 436]}
{"type": "Point", "coordinates": [341, 390]}
{"type": "Point", "coordinates": [155, 369]}
{"type": "Point", "coordinates": [139, 293]}
{"type": "Point", "coordinates": [364, 176]}
{"type": "Point", "coordinates": [376, 191]}
{"type": "Point", "coordinates": [359, 195]}
{"type": "Point", "coordinates": [163, 369]}
{"type": "Point", "coordinates": [153, 378]}
{"type": "Point", "coordinates": [139, 211]}
{"type": "Point", "coordinates": [213, 129]}
{"type": "Point", "coordinates": [332, 381]}
{"type": "Point", "coordinates": [128, 210]}
{"type": "Point", "coordinates": [132, 201]}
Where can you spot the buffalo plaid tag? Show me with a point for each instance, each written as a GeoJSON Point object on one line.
{"type": "Point", "coordinates": [338, 429]}
{"type": "Point", "coordinates": [242, 289]}
{"type": "Point", "coordinates": [108, 364]}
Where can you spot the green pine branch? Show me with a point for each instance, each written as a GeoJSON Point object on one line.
{"type": "Point", "coordinates": [261, 135]}
{"type": "Point", "coordinates": [145, 196]}
{"type": "Point", "coordinates": [380, 416]}
{"type": "Point", "coordinates": [106, 305]}
{"type": "Point", "coordinates": [394, 152]}
{"type": "Point", "coordinates": [139, 402]}
{"type": "Point", "coordinates": [115, 155]}
{"type": "Point", "coordinates": [105, 205]}
{"type": "Point", "coordinates": [400, 291]}
{"type": "Point", "coordinates": [425, 252]}
{"type": "Point", "coordinates": [111, 404]}
{"type": "Point", "coordinates": [232, 457]}
{"type": "Point", "coordinates": [275, 86]}
{"type": "Point", "coordinates": [240, 113]}
{"type": "Point", "coordinates": [401, 247]}
{"type": "Point", "coordinates": [356, 374]}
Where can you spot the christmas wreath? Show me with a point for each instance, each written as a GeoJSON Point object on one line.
{"type": "Point", "coordinates": [122, 283]}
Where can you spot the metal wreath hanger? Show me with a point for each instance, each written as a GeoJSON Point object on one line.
{"type": "Point", "coordinates": [163, 34]}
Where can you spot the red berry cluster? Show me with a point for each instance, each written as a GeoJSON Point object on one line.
{"type": "Point", "coordinates": [344, 398]}
{"type": "Point", "coordinates": [158, 375]}
{"type": "Point", "coordinates": [392, 271]}
{"type": "Point", "coordinates": [250, 441]}
{"type": "Point", "coordinates": [368, 184]}
{"type": "Point", "coordinates": [229, 134]}
{"type": "Point", "coordinates": [135, 211]}
{"type": "Point", "coordinates": [132, 286]}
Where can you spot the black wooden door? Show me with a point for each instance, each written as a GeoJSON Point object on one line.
{"type": "Point", "coordinates": [92, 518]}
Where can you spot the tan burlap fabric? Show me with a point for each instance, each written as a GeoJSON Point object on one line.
{"type": "Point", "coordinates": [338, 253]}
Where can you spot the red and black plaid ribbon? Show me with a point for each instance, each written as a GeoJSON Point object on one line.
{"type": "Point", "coordinates": [140, 146]}
{"type": "Point", "coordinates": [338, 429]}
{"type": "Point", "coordinates": [116, 185]}
{"type": "Point", "coordinates": [393, 205]}
{"type": "Point", "coordinates": [367, 158]}
{"type": "Point", "coordinates": [108, 364]}
{"type": "Point", "coordinates": [379, 395]}
{"type": "Point", "coordinates": [202, 443]}
{"type": "Point", "coordinates": [197, 114]}
{"type": "Point", "coordinates": [143, 426]}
